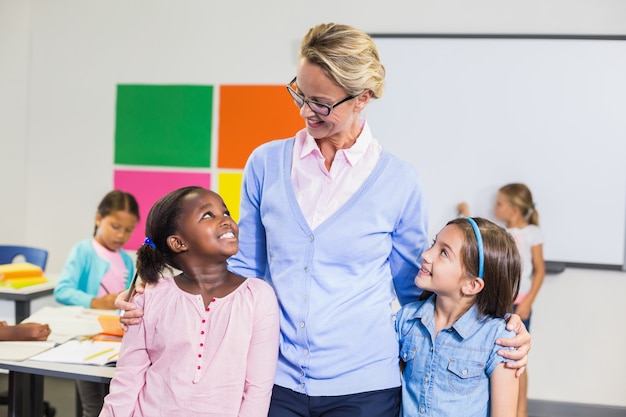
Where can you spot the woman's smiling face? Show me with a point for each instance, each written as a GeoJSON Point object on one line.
{"type": "Point", "coordinates": [316, 86]}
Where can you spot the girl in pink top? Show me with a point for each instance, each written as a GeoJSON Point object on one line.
{"type": "Point", "coordinates": [208, 343]}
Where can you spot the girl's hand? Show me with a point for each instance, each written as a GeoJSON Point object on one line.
{"type": "Point", "coordinates": [129, 313]}
{"type": "Point", "coordinates": [31, 331]}
{"type": "Point", "coordinates": [521, 343]}
{"type": "Point", "coordinates": [106, 302]}
{"type": "Point", "coordinates": [463, 209]}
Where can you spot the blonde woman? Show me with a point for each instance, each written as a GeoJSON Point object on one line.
{"type": "Point", "coordinates": [337, 226]}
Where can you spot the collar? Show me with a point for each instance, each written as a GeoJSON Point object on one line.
{"type": "Point", "coordinates": [352, 154]}
{"type": "Point", "coordinates": [465, 326]}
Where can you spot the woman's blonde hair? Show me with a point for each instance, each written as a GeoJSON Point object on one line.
{"type": "Point", "coordinates": [348, 56]}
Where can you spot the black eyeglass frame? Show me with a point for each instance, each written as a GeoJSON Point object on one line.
{"type": "Point", "coordinates": [300, 101]}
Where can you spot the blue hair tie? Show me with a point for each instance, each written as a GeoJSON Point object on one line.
{"type": "Point", "coordinates": [479, 240]}
{"type": "Point", "coordinates": [149, 242]}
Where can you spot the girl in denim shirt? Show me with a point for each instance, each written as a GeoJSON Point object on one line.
{"type": "Point", "coordinates": [448, 339]}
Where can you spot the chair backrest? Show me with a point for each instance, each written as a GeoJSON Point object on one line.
{"type": "Point", "coordinates": [32, 255]}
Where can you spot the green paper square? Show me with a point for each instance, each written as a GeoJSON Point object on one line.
{"type": "Point", "coordinates": [164, 125]}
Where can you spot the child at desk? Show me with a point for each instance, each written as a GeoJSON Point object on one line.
{"type": "Point", "coordinates": [448, 351]}
{"type": "Point", "coordinates": [208, 341]}
{"type": "Point", "coordinates": [96, 270]}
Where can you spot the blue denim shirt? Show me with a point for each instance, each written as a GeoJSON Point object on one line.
{"type": "Point", "coordinates": [447, 375]}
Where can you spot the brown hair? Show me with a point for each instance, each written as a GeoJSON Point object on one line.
{"type": "Point", "coordinates": [117, 200]}
{"type": "Point", "coordinates": [163, 220]}
{"type": "Point", "coordinates": [502, 265]}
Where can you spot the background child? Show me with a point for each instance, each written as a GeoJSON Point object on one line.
{"type": "Point", "coordinates": [448, 339]}
{"type": "Point", "coordinates": [208, 341]}
{"type": "Point", "coordinates": [96, 270]}
{"type": "Point", "coordinates": [515, 207]}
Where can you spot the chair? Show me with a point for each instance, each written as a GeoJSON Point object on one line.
{"type": "Point", "coordinates": [35, 256]}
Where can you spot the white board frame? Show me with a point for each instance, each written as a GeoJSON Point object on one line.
{"type": "Point", "coordinates": [473, 112]}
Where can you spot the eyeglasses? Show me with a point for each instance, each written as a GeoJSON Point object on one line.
{"type": "Point", "coordinates": [319, 108]}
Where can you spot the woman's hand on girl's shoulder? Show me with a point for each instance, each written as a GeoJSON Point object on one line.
{"type": "Point", "coordinates": [521, 343]}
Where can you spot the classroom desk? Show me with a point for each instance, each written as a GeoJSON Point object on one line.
{"type": "Point", "coordinates": [26, 376]}
{"type": "Point", "coordinates": [23, 296]}
{"type": "Point", "coordinates": [26, 382]}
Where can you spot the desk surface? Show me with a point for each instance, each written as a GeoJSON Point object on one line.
{"type": "Point", "coordinates": [23, 296]}
{"type": "Point", "coordinates": [27, 293]}
{"type": "Point", "coordinates": [91, 373]}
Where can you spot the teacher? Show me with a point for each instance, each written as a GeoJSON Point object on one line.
{"type": "Point", "coordinates": [337, 226]}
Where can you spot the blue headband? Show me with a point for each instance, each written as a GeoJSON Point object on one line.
{"type": "Point", "coordinates": [479, 240]}
{"type": "Point", "coordinates": [149, 242]}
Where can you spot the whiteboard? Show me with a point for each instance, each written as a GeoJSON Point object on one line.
{"type": "Point", "coordinates": [475, 113]}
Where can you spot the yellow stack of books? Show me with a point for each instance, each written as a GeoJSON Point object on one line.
{"type": "Point", "coordinates": [21, 274]}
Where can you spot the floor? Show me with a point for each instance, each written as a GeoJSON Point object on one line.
{"type": "Point", "coordinates": [60, 393]}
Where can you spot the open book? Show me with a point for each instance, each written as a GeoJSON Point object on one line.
{"type": "Point", "coordinates": [85, 352]}
{"type": "Point", "coordinates": [18, 351]}
{"type": "Point", "coordinates": [68, 322]}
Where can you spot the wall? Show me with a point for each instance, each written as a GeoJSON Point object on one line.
{"type": "Point", "coordinates": [14, 38]}
{"type": "Point", "coordinates": [60, 62]}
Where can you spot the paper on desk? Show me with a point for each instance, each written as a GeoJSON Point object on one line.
{"type": "Point", "coordinates": [67, 322]}
{"type": "Point", "coordinates": [19, 351]}
{"type": "Point", "coordinates": [85, 352]}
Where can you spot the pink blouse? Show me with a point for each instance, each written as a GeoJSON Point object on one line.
{"type": "Point", "coordinates": [185, 360]}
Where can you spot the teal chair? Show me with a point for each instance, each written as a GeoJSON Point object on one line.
{"type": "Point", "coordinates": [35, 256]}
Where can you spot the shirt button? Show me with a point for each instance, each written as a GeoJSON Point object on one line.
{"type": "Point", "coordinates": [306, 351]}
{"type": "Point", "coordinates": [422, 410]}
{"type": "Point", "coordinates": [464, 371]}
{"type": "Point", "coordinates": [203, 321]}
{"type": "Point", "coordinates": [302, 384]}
{"type": "Point", "coordinates": [301, 324]}
{"type": "Point", "coordinates": [311, 238]}
{"type": "Point", "coordinates": [425, 379]}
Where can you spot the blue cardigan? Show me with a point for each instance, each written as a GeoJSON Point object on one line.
{"type": "Point", "coordinates": [82, 274]}
{"type": "Point", "coordinates": [335, 284]}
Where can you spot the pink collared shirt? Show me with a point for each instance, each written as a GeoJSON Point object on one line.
{"type": "Point", "coordinates": [185, 359]}
{"type": "Point", "coordinates": [320, 193]}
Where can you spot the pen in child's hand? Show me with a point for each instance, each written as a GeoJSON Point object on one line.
{"type": "Point", "coordinates": [131, 287]}
{"type": "Point", "coordinates": [106, 290]}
